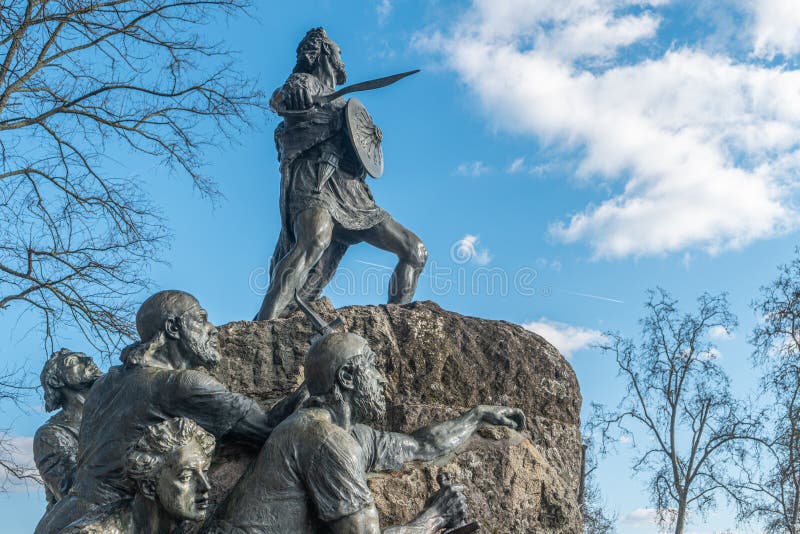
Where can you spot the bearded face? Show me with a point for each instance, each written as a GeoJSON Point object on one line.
{"type": "Point", "coordinates": [369, 401]}
{"type": "Point", "coordinates": [198, 339]}
{"type": "Point", "coordinates": [78, 371]}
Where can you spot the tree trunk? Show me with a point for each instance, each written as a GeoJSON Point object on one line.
{"type": "Point", "coordinates": [680, 521]}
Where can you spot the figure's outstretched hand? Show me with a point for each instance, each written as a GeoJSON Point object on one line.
{"type": "Point", "coordinates": [502, 416]}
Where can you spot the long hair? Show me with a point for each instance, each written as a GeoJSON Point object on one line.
{"type": "Point", "coordinates": [52, 381]}
{"type": "Point", "coordinates": [137, 353]}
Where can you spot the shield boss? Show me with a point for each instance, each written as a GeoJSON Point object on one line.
{"type": "Point", "coordinates": [365, 137]}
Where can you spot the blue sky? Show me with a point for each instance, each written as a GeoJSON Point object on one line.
{"type": "Point", "coordinates": [558, 158]}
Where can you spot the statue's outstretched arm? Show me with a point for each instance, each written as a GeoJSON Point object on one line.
{"type": "Point", "coordinates": [437, 440]}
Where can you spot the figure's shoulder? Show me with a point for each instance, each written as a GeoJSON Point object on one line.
{"type": "Point", "coordinates": [54, 433]}
{"type": "Point", "coordinates": [331, 438]}
{"type": "Point", "coordinates": [112, 518]}
{"type": "Point", "coordinates": [313, 424]}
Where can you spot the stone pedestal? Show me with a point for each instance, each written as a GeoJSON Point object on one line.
{"type": "Point", "coordinates": [438, 364]}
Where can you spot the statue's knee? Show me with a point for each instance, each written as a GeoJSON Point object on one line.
{"type": "Point", "coordinates": [311, 248]}
{"type": "Point", "coordinates": [316, 246]}
{"type": "Point", "coordinates": [418, 254]}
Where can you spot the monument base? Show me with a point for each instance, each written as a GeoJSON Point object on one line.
{"type": "Point", "coordinates": [438, 364]}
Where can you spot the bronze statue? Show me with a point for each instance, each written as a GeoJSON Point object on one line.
{"type": "Point", "coordinates": [311, 475]}
{"type": "Point", "coordinates": [66, 379]}
{"type": "Point", "coordinates": [160, 379]}
{"type": "Point", "coordinates": [326, 205]}
{"type": "Point", "coordinates": [169, 467]}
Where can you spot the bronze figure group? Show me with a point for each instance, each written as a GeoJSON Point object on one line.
{"type": "Point", "coordinates": [130, 450]}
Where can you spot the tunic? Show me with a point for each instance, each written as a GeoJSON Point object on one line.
{"type": "Point", "coordinates": [317, 138]}
{"type": "Point", "coordinates": [310, 472]}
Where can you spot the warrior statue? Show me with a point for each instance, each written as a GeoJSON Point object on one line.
{"type": "Point", "coordinates": [326, 205]}
{"type": "Point", "coordinates": [169, 467]}
{"type": "Point", "coordinates": [66, 379]}
{"type": "Point", "coordinates": [160, 378]}
{"type": "Point", "coordinates": [311, 475]}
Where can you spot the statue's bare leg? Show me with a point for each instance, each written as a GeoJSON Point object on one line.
{"type": "Point", "coordinates": [393, 237]}
{"type": "Point", "coordinates": [313, 231]}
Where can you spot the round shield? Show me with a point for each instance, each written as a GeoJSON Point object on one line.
{"type": "Point", "coordinates": [365, 137]}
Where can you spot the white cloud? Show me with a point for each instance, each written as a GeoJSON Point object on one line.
{"type": "Point", "coordinates": [720, 332]}
{"type": "Point", "coordinates": [18, 450]}
{"type": "Point", "coordinates": [544, 263]}
{"type": "Point", "coordinates": [472, 168]}
{"type": "Point", "coordinates": [776, 28]}
{"type": "Point", "coordinates": [518, 165]}
{"type": "Point", "coordinates": [384, 9]}
{"type": "Point", "coordinates": [466, 249]}
{"type": "Point", "coordinates": [21, 449]}
{"type": "Point", "coordinates": [567, 338]}
{"type": "Point", "coordinates": [642, 518]}
{"type": "Point", "coordinates": [701, 150]}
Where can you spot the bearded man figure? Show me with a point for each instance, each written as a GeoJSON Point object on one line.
{"type": "Point", "coordinates": [311, 475]}
{"type": "Point", "coordinates": [326, 204]}
{"type": "Point", "coordinates": [66, 379]}
{"type": "Point", "coordinates": [169, 465]}
{"type": "Point", "coordinates": [160, 378]}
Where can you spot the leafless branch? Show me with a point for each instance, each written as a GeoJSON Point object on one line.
{"type": "Point", "coordinates": [81, 82]}
{"type": "Point", "coordinates": [768, 489]}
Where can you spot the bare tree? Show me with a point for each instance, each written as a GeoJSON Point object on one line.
{"type": "Point", "coordinates": [82, 82]}
{"type": "Point", "coordinates": [677, 406]}
{"type": "Point", "coordinates": [769, 488]}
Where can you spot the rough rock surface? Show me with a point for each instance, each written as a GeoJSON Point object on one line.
{"type": "Point", "coordinates": [438, 364]}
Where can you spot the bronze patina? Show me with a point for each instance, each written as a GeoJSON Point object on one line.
{"type": "Point", "coordinates": [168, 466]}
{"type": "Point", "coordinates": [326, 149]}
{"type": "Point", "coordinates": [365, 137]}
{"type": "Point", "coordinates": [66, 379]}
{"type": "Point", "coordinates": [161, 377]}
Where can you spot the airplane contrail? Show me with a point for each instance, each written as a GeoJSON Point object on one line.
{"type": "Point", "coordinates": [596, 297]}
